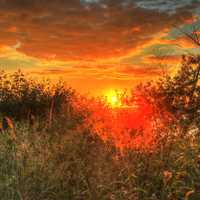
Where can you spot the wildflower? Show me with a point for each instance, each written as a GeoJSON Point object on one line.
{"type": "Point", "coordinates": [7, 123]}
{"type": "Point", "coordinates": [167, 176]}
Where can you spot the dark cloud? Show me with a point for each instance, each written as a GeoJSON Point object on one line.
{"type": "Point", "coordinates": [83, 30]}
{"type": "Point", "coordinates": [168, 59]}
{"type": "Point", "coordinates": [137, 71]}
{"type": "Point", "coordinates": [167, 6]}
{"type": "Point", "coordinates": [55, 71]}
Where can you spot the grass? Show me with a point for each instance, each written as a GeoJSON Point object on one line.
{"type": "Point", "coordinates": [40, 165]}
{"type": "Point", "coordinates": [59, 155]}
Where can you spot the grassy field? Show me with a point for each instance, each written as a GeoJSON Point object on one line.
{"type": "Point", "coordinates": [56, 145]}
{"type": "Point", "coordinates": [74, 164]}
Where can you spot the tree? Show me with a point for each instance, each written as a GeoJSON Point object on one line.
{"type": "Point", "coordinates": [177, 97]}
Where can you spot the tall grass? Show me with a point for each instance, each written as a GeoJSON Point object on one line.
{"type": "Point", "coordinates": [78, 165]}
{"type": "Point", "coordinates": [60, 157]}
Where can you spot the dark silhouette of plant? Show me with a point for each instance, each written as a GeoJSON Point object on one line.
{"type": "Point", "coordinates": [177, 98]}
{"type": "Point", "coordinates": [25, 99]}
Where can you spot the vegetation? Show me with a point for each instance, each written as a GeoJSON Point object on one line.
{"type": "Point", "coordinates": [58, 145]}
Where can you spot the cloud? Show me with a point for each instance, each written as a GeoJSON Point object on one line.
{"type": "Point", "coordinates": [54, 71]}
{"type": "Point", "coordinates": [71, 30]}
{"type": "Point", "coordinates": [139, 71]}
{"type": "Point", "coordinates": [168, 6]}
{"type": "Point", "coordinates": [160, 50]}
{"type": "Point", "coordinates": [167, 59]}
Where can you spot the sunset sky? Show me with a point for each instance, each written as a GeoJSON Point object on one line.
{"type": "Point", "coordinates": [96, 45]}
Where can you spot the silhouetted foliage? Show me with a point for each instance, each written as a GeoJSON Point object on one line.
{"type": "Point", "coordinates": [177, 97]}
{"type": "Point", "coordinates": [85, 161]}
{"type": "Point", "coordinates": [24, 98]}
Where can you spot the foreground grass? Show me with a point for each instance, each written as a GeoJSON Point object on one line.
{"type": "Point", "coordinates": [62, 146]}
{"type": "Point", "coordinates": [73, 164]}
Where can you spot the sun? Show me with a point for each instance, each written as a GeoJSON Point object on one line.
{"type": "Point", "coordinates": [113, 98]}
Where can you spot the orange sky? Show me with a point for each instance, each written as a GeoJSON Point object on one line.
{"type": "Point", "coordinates": [95, 44]}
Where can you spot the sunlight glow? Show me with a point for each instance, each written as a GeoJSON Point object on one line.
{"type": "Point", "coordinates": [113, 98]}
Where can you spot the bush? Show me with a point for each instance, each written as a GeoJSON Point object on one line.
{"type": "Point", "coordinates": [21, 97]}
